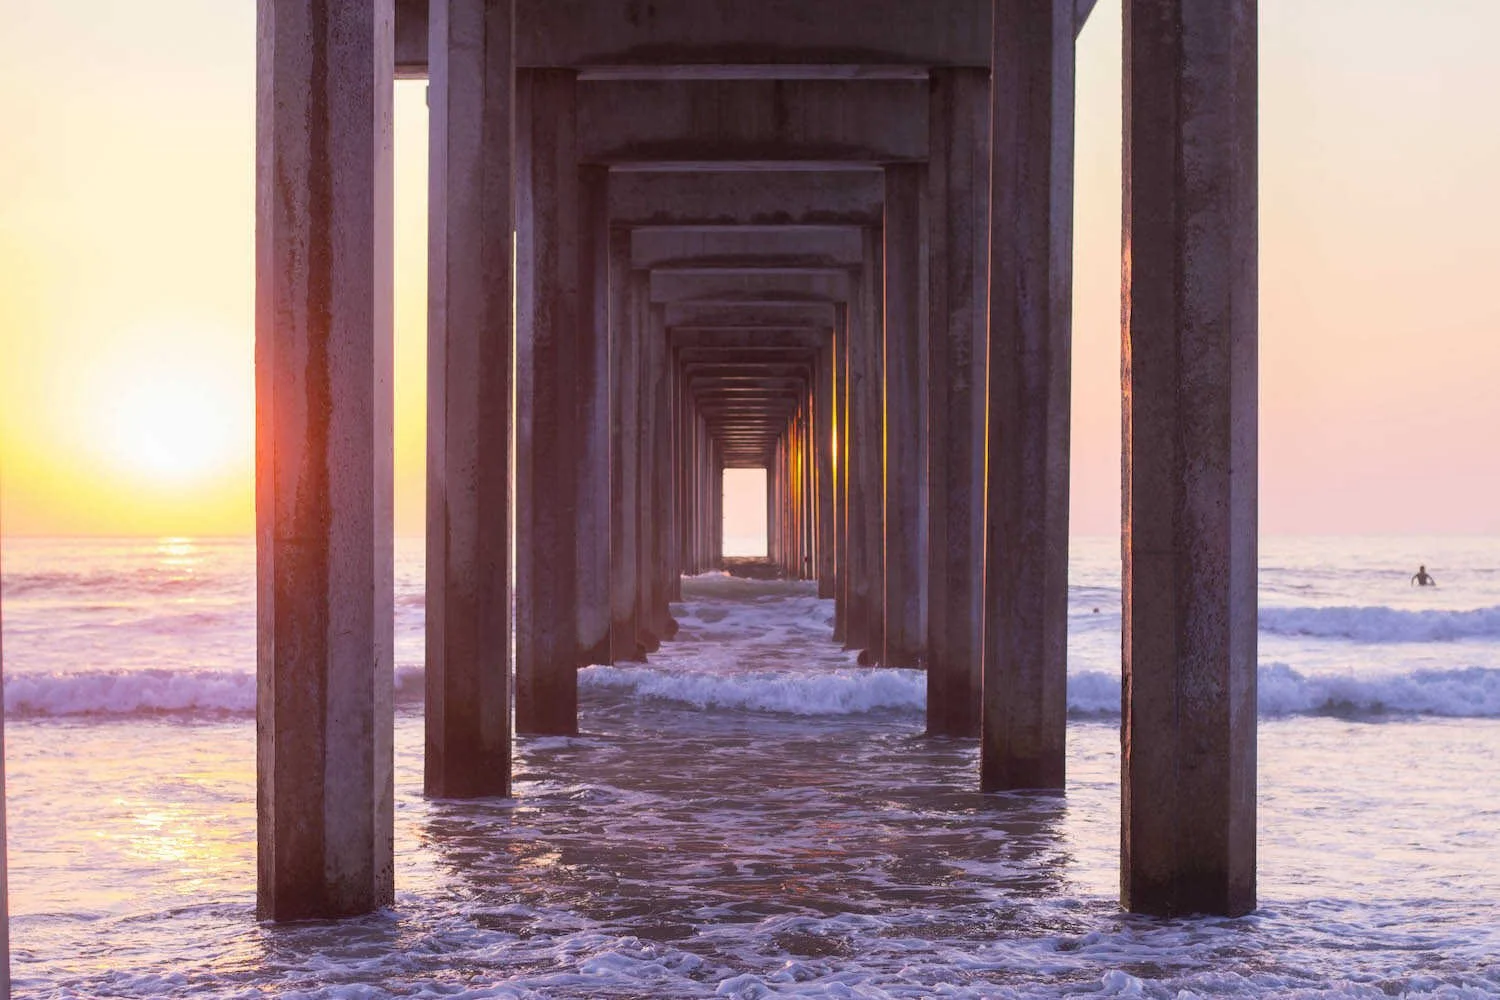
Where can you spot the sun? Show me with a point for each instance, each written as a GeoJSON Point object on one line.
{"type": "Point", "coordinates": [171, 428]}
{"type": "Point", "coordinates": [173, 418]}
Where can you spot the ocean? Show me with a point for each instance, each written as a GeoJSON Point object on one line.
{"type": "Point", "coordinates": [751, 814]}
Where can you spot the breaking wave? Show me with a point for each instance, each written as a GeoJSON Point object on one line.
{"type": "Point", "coordinates": [1381, 624]}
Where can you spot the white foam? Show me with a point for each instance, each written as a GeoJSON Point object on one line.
{"type": "Point", "coordinates": [1469, 693]}
{"type": "Point", "coordinates": [1382, 624]}
{"type": "Point", "coordinates": [836, 692]}
{"type": "Point", "coordinates": [151, 692]}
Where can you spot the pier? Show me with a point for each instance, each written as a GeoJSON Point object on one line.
{"type": "Point", "coordinates": [827, 238]}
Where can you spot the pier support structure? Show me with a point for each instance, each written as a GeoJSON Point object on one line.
{"type": "Point", "coordinates": [1030, 343]}
{"type": "Point", "coordinates": [470, 338]}
{"type": "Point", "coordinates": [1188, 839]}
{"type": "Point", "coordinates": [324, 447]}
{"type": "Point", "coordinates": [827, 238]}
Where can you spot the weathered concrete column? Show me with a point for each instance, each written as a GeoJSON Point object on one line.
{"type": "Point", "coordinates": [866, 630]}
{"type": "Point", "coordinates": [773, 540]}
{"type": "Point", "coordinates": [625, 454]}
{"type": "Point", "coordinates": [840, 342]}
{"type": "Point", "coordinates": [324, 446]}
{"type": "Point", "coordinates": [593, 540]}
{"type": "Point", "coordinates": [718, 535]}
{"type": "Point", "coordinates": [905, 369]}
{"type": "Point", "coordinates": [823, 450]}
{"type": "Point", "coordinates": [676, 524]}
{"type": "Point", "coordinates": [1031, 295]}
{"type": "Point", "coordinates": [958, 178]}
{"type": "Point", "coordinates": [547, 438]}
{"type": "Point", "coordinates": [665, 575]}
{"type": "Point", "coordinates": [652, 343]}
{"type": "Point", "coordinates": [469, 339]}
{"type": "Point", "coordinates": [1190, 258]}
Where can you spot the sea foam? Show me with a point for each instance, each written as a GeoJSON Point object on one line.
{"type": "Point", "coordinates": [152, 692]}
{"type": "Point", "coordinates": [1382, 624]}
{"type": "Point", "coordinates": [1472, 692]}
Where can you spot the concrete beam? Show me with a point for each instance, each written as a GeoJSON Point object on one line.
{"type": "Point", "coordinates": [749, 284]}
{"type": "Point", "coordinates": [842, 197]}
{"type": "Point", "coordinates": [771, 339]}
{"type": "Point", "coordinates": [324, 459]}
{"type": "Point", "coordinates": [662, 121]}
{"type": "Point", "coordinates": [773, 246]}
{"type": "Point", "coordinates": [1190, 308]}
{"type": "Point", "coordinates": [751, 314]}
{"type": "Point", "coordinates": [772, 35]}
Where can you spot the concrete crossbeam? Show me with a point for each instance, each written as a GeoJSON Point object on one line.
{"type": "Point", "coordinates": [770, 339]}
{"type": "Point", "coordinates": [664, 121]}
{"type": "Point", "coordinates": [775, 246]}
{"type": "Point", "coordinates": [768, 315]}
{"type": "Point", "coordinates": [749, 284]}
{"type": "Point", "coordinates": [843, 197]}
{"type": "Point", "coordinates": [762, 36]}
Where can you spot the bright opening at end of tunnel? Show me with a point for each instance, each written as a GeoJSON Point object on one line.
{"type": "Point", "coordinates": [745, 512]}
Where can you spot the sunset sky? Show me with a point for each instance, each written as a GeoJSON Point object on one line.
{"type": "Point", "coordinates": [126, 277]}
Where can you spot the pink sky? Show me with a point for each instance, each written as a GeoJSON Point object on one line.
{"type": "Point", "coordinates": [126, 234]}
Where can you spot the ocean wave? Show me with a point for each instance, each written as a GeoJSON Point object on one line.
{"type": "Point", "coordinates": [1381, 624]}
{"type": "Point", "coordinates": [1468, 693]}
{"type": "Point", "coordinates": [152, 692]}
{"type": "Point", "coordinates": [1472, 692]}
{"type": "Point", "coordinates": [835, 692]}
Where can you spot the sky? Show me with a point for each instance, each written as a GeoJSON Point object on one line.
{"type": "Point", "coordinates": [127, 235]}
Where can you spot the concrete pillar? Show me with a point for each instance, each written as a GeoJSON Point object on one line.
{"type": "Point", "coordinates": [905, 369]}
{"type": "Point", "coordinates": [469, 342]}
{"type": "Point", "coordinates": [324, 444]}
{"type": "Point", "coordinates": [958, 206]}
{"type": "Point", "coordinates": [718, 543]}
{"type": "Point", "coordinates": [772, 545]}
{"type": "Point", "coordinates": [823, 450]}
{"type": "Point", "coordinates": [1031, 294]}
{"type": "Point", "coordinates": [866, 630]}
{"type": "Point", "coordinates": [665, 576]}
{"type": "Point", "coordinates": [648, 318]}
{"type": "Point", "coordinates": [625, 454]}
{"type": "Point", "coordinates": [547, 438]}
{"type": "Point", "coordinates": [594, 491]}
{"type": "Point", "coordinates": [840, 343]}
{"type": "Point", "coordinates": [676, 523]}
{"type": "Point", "coordinates": [684, 476]}
{"type": "Point", "coordinates": [1190, 296]}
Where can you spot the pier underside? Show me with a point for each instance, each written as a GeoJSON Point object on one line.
{"type": "Point", "coordinates": [827, 238]}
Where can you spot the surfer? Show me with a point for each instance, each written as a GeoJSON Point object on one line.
{"type": "Point", "coordinates": [1422, 579]}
